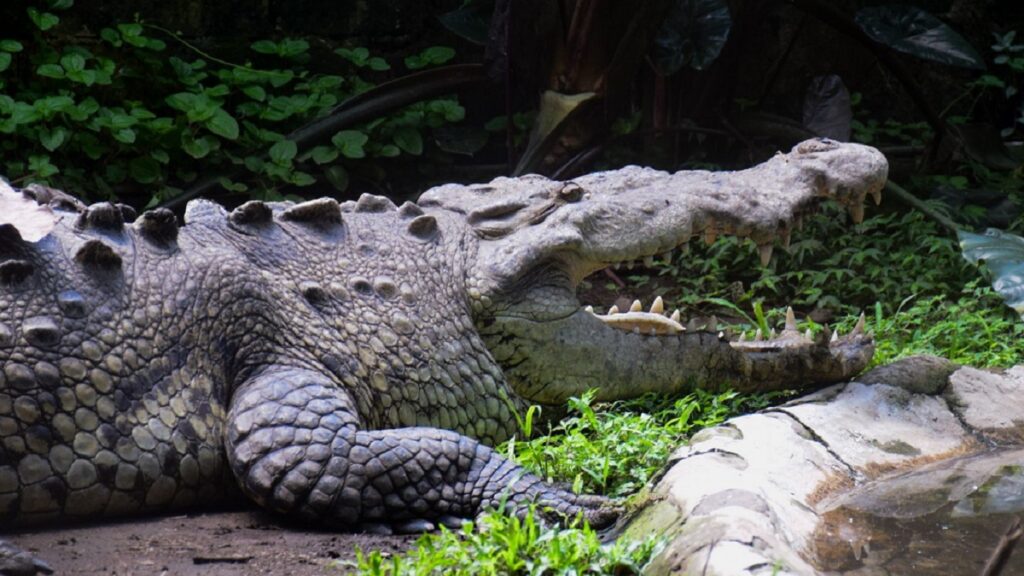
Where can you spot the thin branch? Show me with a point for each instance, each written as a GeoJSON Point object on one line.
{"type": "Point", "coordinates": [209, 56]}
{"type": "Point", "coordinates": [907, 198]}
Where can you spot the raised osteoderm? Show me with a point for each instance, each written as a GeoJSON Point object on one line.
{"type": "Point", "coordinates": [352, 363]}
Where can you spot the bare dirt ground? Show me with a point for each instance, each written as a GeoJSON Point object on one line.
{"type": "Point", "coordinates": [225, 543]}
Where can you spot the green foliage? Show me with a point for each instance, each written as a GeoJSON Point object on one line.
{"type": "Point", "coordinates": [970, 327]}
{"type": "Point", "coordinates": [160, 116]}
{"type": "Point", "coordinates": [1009, 61]}
{"type": "Point", "coordinates": [615, 448]}
{"type": "Point", "coordinates": [506, 545]}
{"type": "Point", "coordinates": [830, 264]}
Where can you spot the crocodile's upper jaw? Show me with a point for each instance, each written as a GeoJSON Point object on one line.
{"type": "Point", "coordinates": [540, 238]}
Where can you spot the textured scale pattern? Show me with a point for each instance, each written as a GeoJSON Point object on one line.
{"type": "Point", "coordinates": [352, 364]}
{"type": "Point", "coordinates": [129, 349]}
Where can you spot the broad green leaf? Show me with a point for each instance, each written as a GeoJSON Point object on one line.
{"type": "Point", "coordinates": [290, 47]}
{"type": "Point", "coordinates": [433, 56]}
{"type": "Point", "coordinates": [302, 179]}
{"type": "Point", "coordinates": [50, 71]}
{"type": "Point", "coordinates": [692, 35]}
{"type": "Point", "coordinates": [470, 21]}
{"type": "Point", "coordinates": [112, 37]}
{"type": "Point", "coordinates": [61, 4]}
{"type": "Point", "coordinates": [338, 177]}
{"type": "Point", "coordinates": [40, 165]}
{"type": "Point", "coordinates": [87, 77]}
{"type": "Point", "coordinates": [409, 139]}
{"type": "Point", "coordinates": [195, 147]}
{"type": "Point", "coordinates": [255, 92]}
{"type": "Point", "coordinates": [73, 62]}
{"type": "Point", "coordinates": [264, 47]}
{"type": "Point", "coordinates": [388, 151]}
{"type": "Point", "coordinates": [350, 143]}
{"type": "Point", "coordinates": [283, 152]}
{"type": "Point", "coordinates": [1003, 253]}
{"type": "Point", "coordinates": [324, 154]}
{"type": "Point", "coordinates": [5, 61]}
{"type": "Point", "coordinates": [125, 136]}
{"type": "Point", "coordinates": [52, 139]}
{"type": "Point", "coordinates": [11, 46]}
{"type": "Point", "coordinates": [43, 20]}
{"type": "Point", "coordinates": [917, 32]}
{"type": "Point", "coordinates": [51, 105]}
{"type": "Point", "coordinates": [223, 125]}
{"type": "Point", "coordinates": [144, 170]}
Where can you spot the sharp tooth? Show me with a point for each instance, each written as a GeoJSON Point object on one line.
{"type": "Point", "coordinates": [617, 265]}
{"type": "Point", "coordinates": [712, 323]}
{"type": "Point", "coordinates": [692, 325]}
{"type": "Point", "coordinates": [835, 337]}
{"type": "Point", "coordinates": [636, 306]}
{"type": "Point", "coordinates": [743, 337]}
{"type": "Point", "coordinates": [859, 327]}
{"type": "Point", "coordinates": [785, 237]}
{"type": "Point", "coordinates": [856, 212]}
{"type": "Point", "coordinates": [589, 309]}
{"type": "Point", "coordinates": [710, 235]}
{"type": "Point", "coordinates": [765, 252]}
{"type": "Point", "coordinates": [630, 264]}
{"type": "Point", "coordinates": [758, 336]}
{"type": "Point", "coordinates": [613, 310]}
{"type": "Point", "coordinates": [658, 307]}
{"type": "Point", "coordinates": [649, 261]}
{"type": "Point", "coordinates": [809, 335]}
{"type": "Point", "coordinates": [771, 334]}
{"type": "Point", "coordinates": [876, 195]}
{"type": "Point", "coordinates": [667, 257]}
{"type": "Point", "coordinates": [721, 335]}
{"type": "Point", "coordinates": [675, 316]}
{"type": "Point", "coordinates": [790, 319]}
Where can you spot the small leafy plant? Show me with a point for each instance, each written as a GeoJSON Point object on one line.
{"type": "Point", "coordinates": [160, 115]}
{"type": "Point", "coordinates": [506, 545]}
{"type": "Point", "coordinates": [615, 448]}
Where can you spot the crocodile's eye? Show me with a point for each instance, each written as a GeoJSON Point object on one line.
{"type": "Point", "coordinates": [570, 192]}
{"type": "Point", "coordinates": [501, 211]}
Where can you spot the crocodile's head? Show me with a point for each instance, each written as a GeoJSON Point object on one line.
{"type": "Point", "coordinates": [540, 238]}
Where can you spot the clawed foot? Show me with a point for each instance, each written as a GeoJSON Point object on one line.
{"type": "Point", "coordinates": [556, 507]}
{"type": "Point", "coordinates": [16, 562]}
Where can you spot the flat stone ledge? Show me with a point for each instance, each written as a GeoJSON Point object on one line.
{"type": "Point", "coordinates": [748, 496]}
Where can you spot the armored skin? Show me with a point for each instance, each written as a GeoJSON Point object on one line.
{"type": "Point", "coordinates": [353, 364]}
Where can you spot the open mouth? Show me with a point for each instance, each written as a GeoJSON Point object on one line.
{"type": "Point", "coordinates": [655, 322]}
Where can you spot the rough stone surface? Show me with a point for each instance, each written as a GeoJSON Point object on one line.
{"type": "Point", "coordinates": [793, 487]}
{"type": "Point", "coordinates": [981, 399]}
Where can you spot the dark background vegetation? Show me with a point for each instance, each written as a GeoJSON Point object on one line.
{"type": "Point", "coordinates": [152, 104]}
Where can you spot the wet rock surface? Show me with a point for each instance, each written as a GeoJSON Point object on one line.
{"type": "Point", "coordinates": [914, 468]}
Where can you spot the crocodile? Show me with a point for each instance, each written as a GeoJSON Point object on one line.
{"type": "Point", "coordinates": [353, 364]}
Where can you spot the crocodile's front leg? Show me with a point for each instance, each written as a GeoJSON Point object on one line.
{"type": "Point", "coordinates": [549, 362]}
{"type": "Point", "coordinates": [295, 445]}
